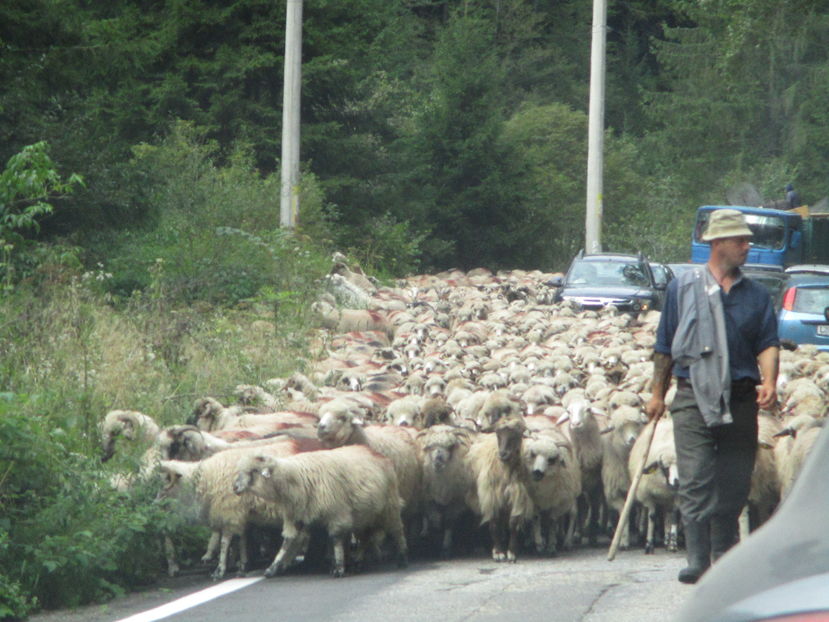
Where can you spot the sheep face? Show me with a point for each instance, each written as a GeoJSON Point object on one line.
{"type": "Point", "coordinates": [248, 475]}
{"type": "Point", "coordinates": [335, 428]}
{"type": "Point", "coordinates": [541, 455]}
{"type": "Point", "coordinates": [509, 435]}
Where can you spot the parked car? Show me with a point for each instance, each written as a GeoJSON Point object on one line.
{"type": "Point", "coordinates": [804, 311]}
{"type": "Point", "coordinates": [597, 280]}
{"type": "Point", "coordinates": [679, 268]}
{"type": "Point", "coordinates": [774, 280]}
{"type": "Point", "coordinates": [780, 573]}
{"type": "Point", "coordinates": [808, 268]}
{"type": "Point", "coordinates": [662, 274]}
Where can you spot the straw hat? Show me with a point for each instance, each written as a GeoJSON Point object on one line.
{"type": "Point", "coordinates": [726, 223]}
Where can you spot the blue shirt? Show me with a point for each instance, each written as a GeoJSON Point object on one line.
{"type": "Point", "coordinates": [750, 326]}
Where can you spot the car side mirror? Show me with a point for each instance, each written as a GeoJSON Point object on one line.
{"type": "Point", "coordinates": [660, 286]}
{"type": "Point", "coordinates": [556, 281]}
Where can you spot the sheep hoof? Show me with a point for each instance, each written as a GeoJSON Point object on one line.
{"type": "Point", "coordinates": [273, 570]}
{"type": "Point", "coordinates": [403, 561]}
{"type": "Point", "coordinates": [649, 548]}
{"type": "Point", "coordinates": [498, 556]}
{"type": "Point", "coordinates": [338, 572]}
{"type": "Point", "coordinates": [172, 570]}
{"type": "Point", "coordinates": [217, 574]}
{"type": "Point", "coordinates": [511, 559]}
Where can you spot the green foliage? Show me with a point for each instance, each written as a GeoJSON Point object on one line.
{"type": "Point", "coordinates": [27, 184]}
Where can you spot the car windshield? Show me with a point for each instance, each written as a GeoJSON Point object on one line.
{"type": "Point", "coordinates": [811, 299]}
{"type": "Point", "coordinates": [608, 273]}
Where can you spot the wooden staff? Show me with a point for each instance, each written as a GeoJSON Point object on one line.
{"type": "Point", "coordinates": [623, 515]}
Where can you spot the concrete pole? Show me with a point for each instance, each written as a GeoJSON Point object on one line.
{"type": "Point", "coordinates": [595, 141]}
{"type": "Point", "coordinates": [289, 191]}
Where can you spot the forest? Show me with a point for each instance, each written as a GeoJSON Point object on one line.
{"type": "Point", "coordinates": [139, 196]}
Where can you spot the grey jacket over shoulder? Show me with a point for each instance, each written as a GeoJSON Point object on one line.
{"type": "Point", "coordinates": [700, 343]}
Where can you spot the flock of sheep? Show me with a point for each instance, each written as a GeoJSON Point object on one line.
{"type": "Point", "coordinates": [447, 397]}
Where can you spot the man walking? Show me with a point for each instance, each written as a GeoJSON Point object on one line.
{"type": "Point", "coordinates": [718, 334]}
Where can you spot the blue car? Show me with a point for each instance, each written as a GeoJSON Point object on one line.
{"type": "Point", "coordinates": [804, 313]}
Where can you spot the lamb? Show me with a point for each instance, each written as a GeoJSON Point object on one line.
{"type": "Point", "coordinates": [554, 485]}
{"type": "Point", "coordinates": [660, 482]}
{"type": "Point", "coordinates": [225, 513]}
{"type": "Point", "coordinates": [447, 479]}
{"type": "Point", "coordinates": [347, 490]}
{"type": "Point", "coordinates": [501, 496]}
{"type": "Point", "coordinates": [626, 422]}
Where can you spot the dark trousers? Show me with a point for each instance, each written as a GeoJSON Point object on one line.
{"type": "Point", "coordinates": [714, 464]}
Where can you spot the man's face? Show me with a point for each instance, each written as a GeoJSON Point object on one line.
{"type": "Point", "coordinates": [734, 250]}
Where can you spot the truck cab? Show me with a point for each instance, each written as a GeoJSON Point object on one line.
{"type": "Point", "coordinates": [777, 241]}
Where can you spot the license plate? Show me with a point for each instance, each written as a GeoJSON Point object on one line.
{"type": "Point", "coordinates": [823, 330]}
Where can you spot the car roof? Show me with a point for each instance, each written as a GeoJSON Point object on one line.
{"type": "Point", "coordinates": [805, 278]}
{"type": "Point", "coordinates": [611, 257]}
{"type": "Point", "coordinates": [808, 268]}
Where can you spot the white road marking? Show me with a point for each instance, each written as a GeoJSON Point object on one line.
{"type": "Point", "coordinates": [192, 600]}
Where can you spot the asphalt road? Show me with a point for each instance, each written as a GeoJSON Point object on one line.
{"type": "Point", "coordinates": [577, 586]}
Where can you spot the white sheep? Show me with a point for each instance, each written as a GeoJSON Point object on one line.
{"type": "Point", "coordinates": [626, 422]}
{"type": "Point", "coordinates": [338, 427]}
{"type": "Point", "coordinates": [554, 485]}
{"type": "Point", "coordinates": [226, 514]}
{"type": "Point", "coordinates": [764, 493]}
{"type": "Point", "coordinates": [347, 490]}
{"type": "Point", "coordinates": [660, 482]}
{"type": "Point", "coordinates": [501, 497]}
{"type": "Point", "coordinates": [585, 433]}
{"type": "Point", "coordinates": [447, 478]}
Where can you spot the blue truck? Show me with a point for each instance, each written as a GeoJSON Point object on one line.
{"type": "Point", "coordinates": [781, 237]}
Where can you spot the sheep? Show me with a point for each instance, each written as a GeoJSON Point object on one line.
{"type": "Point", "coordinates": [585, 434]}
{"type": "Point", "coordinates": [347, 490]}
{"type": "Point", "coordinates": [447, 479]}
{"type": "Point", "coordinates": [791, 453]}
{"type": "Point", "coordinates": [660, 481]}
{"type": "Point", "coordinates": [225, 513]}
{"type": "Point", "coordinates": [554, 485]}
{"type": "Point", "coordinates": [130, 424]}
{"type": "Point", "coordinates": [252, 395]}
{"type": "Point", "coordinates": [764, 493]}
{"type": "Point", "coordinates": [500, 496]}
{"type": "Point", "coordinates": [404, 410]}
{"type": "Point", "coordinates": [190, 444]}
{"type": "Point", "coordinates": [626, 423]}
{"type": "Point", "coordinates": [210, 415]}
{"type": "Point", "coordinates": [347, 320]}
{"type": "Point", "coordinates": [338, 427]}
{"type": "Point", "coordinates": [498, 405]}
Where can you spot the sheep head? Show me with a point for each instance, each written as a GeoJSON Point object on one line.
{"type": "Point", "coordinates": [509, 434]}
{"type": "Point", "coordinates": [182, 442]}
{"type": "Point", "coordinates": [249, 473]}
{"type": "Point", "coordinates": [541, 453]}
{"type": "Point", "coordinates": [337, 424]}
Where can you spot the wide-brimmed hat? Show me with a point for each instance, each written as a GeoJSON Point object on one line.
{"type": "Point", "coordinates": [726, 223]}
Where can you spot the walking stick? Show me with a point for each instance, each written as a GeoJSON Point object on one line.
{"type": "Point", "coordinates": [623, 515]}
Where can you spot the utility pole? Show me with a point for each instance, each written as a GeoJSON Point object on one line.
{"type": "Point", "coordinates": [595, 140]}
{"type": "Point", "coordinates": [292, 79]}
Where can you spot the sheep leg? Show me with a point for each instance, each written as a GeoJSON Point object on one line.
{"type": "Point", "coordinates": [514, 533]}
{"type": "Point", "coordinates": [745, 523]}
{"type": "Point", "coordinates": [571, 517]}
{"type": "Point", "coordinates": [212, 546]}
{"type": "Point", "coordinates": [170, 556]}
{"type": "Point", "coordinates": [498, 554]}
{"type": "Point", "coordinates": [650, 544]}
{"type": "Point", "coordinates": [671, 531]}
{"type": "Point", "coordinates": [292, 541]}
{"type": "Point", "coordinates": [221, 569]}
{"type": "Point", "coordinates": [338, 569]}
{"type": "Point", "coordinates": [446, 544]}
{"type": "Point", "coordinates": [538, 536]}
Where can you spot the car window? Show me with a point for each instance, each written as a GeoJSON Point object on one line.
{"type": "Point", "coordinates": [811, 299]}
{"type": "Point", "coordinates": [608, 273]}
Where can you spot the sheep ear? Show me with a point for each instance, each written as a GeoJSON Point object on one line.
{"type": "Point", "coordinates": [563, 418]}
{"type": "Point", "coordinates": [765, 445]}
{"type": "Point", "coordinates": [650, 468]}
{"type": "Point", "coordinates": [608, 429]}
{"type": "Point", "coordinates": [784, 432]}
{"type": "Point", "coordinates": [266, 472]}
{"type": "Point", "coordinates": [598, 411]}
{"type": "Point", "coordinates": [358, 421]}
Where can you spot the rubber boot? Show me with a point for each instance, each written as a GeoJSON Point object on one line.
{"type": "Point", "coordinates": [698, 548]}
{"type": "Point", "coordinates": [723, 535]}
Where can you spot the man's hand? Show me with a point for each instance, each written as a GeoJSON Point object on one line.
{"type": "Point", "coordinates": [655, 407]}
{"type": "Point", "coordinates": [766, 396]}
